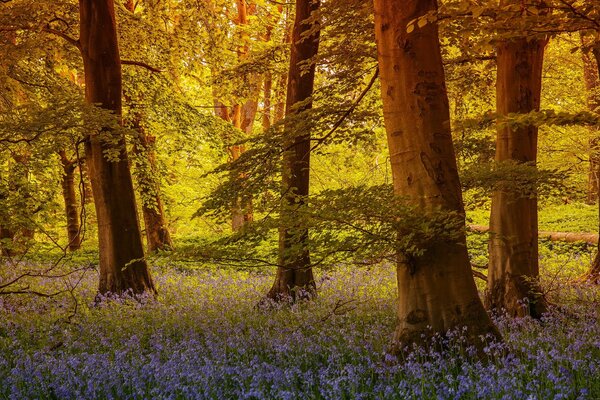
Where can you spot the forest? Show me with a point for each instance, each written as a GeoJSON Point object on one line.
{"type": "Point", "coordinates": [314, 199]}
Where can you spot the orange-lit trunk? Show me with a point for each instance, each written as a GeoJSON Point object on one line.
{"type": "Point", "coordinates": [514, 267]}
{"type": "Point", "coordinates": [436, 291]}
{"type": "Point", "coordinates": [122, 263]}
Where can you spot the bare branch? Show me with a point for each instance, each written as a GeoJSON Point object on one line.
{"type": "Point", "coordinates": [142, 64]}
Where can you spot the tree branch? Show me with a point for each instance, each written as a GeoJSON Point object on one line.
{"type": "Point", "coordinates": [69, 39]}
{"type": "Point", "coordinates": [348, 112]}
{"type": "Point", "coordinates": [141, 64]}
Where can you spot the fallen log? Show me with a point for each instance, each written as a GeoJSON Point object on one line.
{"type": "Point", "coordinates": [569, 237]}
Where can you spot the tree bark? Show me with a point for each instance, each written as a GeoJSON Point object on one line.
{"type": "Point", "coordinates": [122, 263]}
{"type": "Point", "coordinates": [294, 278]}
{"type": "Point", "coordinates": [514, 267]}
{"type": "Point", "coordinates": [437, 291]}
{"type": "Point", "coordinates": [70, 198]}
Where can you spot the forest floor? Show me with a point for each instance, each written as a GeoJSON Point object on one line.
{"type": "Point", "coordinates": [204, 337]}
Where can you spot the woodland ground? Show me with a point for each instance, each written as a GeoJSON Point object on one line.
{"type": "Point", "coordinates": [204, 338]}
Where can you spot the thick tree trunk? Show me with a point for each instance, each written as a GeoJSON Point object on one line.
{"type": "Point", "coordinates": [294, 277]}
{"type": "Point", "coordinates": [70, 197]}
{"type": "Point", "coordinates": [514, 268]}
{"type": "Point", "coordinates": [122, 264]}
{"type": "Point", "coordinates": [437, 291]}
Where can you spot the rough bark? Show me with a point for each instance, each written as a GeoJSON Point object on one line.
{"type": "Point", "coordinates": [70, 198]}
{"type": "Point", "coordinates": [122, 264]}
{"type": "Point", "coordinates": [294, 278]}
{"type": "Point", "coordinates": [514, 268]}
{"type": "Point", "coordinates": [437, 292]}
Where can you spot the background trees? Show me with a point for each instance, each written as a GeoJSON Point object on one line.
{"type": "Point", "coordinates": [199, 76]}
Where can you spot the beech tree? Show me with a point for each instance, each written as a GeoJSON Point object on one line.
{"type": "Point", "coordinates": [158, 236]}
{"type": "Point", "coordinates": [592, 84]}
{"type": "Point", "coordinates": [513, 247]}
{"type": "Point", "coordinates": [122, 263]}
{"type": "Point", "coordinates": [591, 65]}
{"type": "Point", "coordinates": [70, 198]}
{"type": "Point", "coordinates": [294, 273]}
{"type": "Point", "coordinates": [436, 291]}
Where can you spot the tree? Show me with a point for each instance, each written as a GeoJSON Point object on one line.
{"type": "Point", "coordinates": [158, 236]}
{"type": "Point", "coordinates": [592, 81]}
{"type": "Point", "coordinates": [70, 197]}
{"type": "Point", "coordinates": [294, 276]}
{"type": "Point", "coordinates": [436, 291]}
{"type": "Point", "coordinates": [122, 264]}
{"type": "Point", "coordinates": [513, 246]}
{"type": "Point", "coordinates": [592, 84]}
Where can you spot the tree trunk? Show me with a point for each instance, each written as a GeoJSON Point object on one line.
{"type": "Point", "coordinates": [86, 189]}
{"type": "Point", "coordinates": [280, 90]}
{"type": "Point", "coordinates": [294, 277]}
{"type": "Point", "coordinates": [437, 291]}
{"type": "Point", "coordinates": [70, 197]}
{"type": "Point", "coordinates": [592, 84]}
{"type": "Point", "coordinates": [267, 115]}
{"type": "Point", "coordinates": [158, 236]}
{"type": "Point", "coordinates": [157, 233]}
{"type": "Point", "coordinates": [594, 273]}
{"type": "Point", "coordinates": [244, 114]}
{"type": "Point", "coordinates": [513, 247]}
{"type": "Point", "coordinates": [122, 263]}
